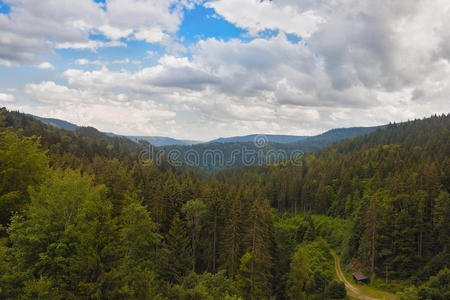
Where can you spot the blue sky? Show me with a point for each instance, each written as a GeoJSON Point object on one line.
{"type": "Point", "coordinates": [202, 69]}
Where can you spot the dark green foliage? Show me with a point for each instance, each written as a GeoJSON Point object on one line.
{"type": "Point", "coordinates": [179, 251]}
{"type": "Point", "coordinates": [225, 153]}
{"type": "Point", "coordinates": [438, 287]}
{"type": "Point", "coordinates": [391, 184]}
{"type": "Point", "coordinates": [336, 290]}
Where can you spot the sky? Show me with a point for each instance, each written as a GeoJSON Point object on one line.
{"type": "Point", "coordinates": [197, 69]}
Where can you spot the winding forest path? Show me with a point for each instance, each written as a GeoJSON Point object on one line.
{"type": "Point", "coordinates": [352, 290]}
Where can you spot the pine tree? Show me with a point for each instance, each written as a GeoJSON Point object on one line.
{"type": "Point", "coordinates": [232, 238]}
{"type": "Point", "coordinates": [441, 219]}
{"type": "Point", "coordinates": [95, 269]}
{"type": "Point", "coordinates": [195, 211]}
{"type": "Point", "coordinates": [179, 251]}
{"type": "Point", "coordinates": [370, 232]}
{"type": "Point", "coordinates": [256, 266]}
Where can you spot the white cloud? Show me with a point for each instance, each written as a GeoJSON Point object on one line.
{"type": "Point", "coordinates": [33, 28]}
{"type": "Point", "coordinates": [257, 16]}
{"type": "Point", "coordinates": [45, 65]}
{"type": "Point", "coordinates": [85, 61]}
{"type": "Point", "coordinates": [52, 93]}
{"type": "Point", "coordinates": [142, 117]}
{"type": "Point", "coordinates": [6, 98]}
{"type": "Point", "coordinates": [96, 108]}
{"type": "Point", "coordinates": [90, 45]}
{"type": "Point", "coordinates": [121, 61]}
{"type": "Point", "coordinates": [266, 84]}
{"type": "Point", "coordinates": [7, 63]}
{"type": "Point", "coordinates": [153, 35]}
{"type": "Point", "coordinates": [360, 63]}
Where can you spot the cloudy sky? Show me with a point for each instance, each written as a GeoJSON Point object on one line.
{"type": "Point", "coordinates": [202, 69]}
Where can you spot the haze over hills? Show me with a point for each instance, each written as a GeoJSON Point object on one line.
{"type": "Point", "coordinates": [332, 136]}
{"type": "Point", "coordinates": [162, 140]}
{"type": "Point", "coordinates": [57, 123]}
{"type": "Point", "coordinates": [274, 138]}
{"type": "Point", "coordinates": [257, 149]}
{"type": "Point", "coordinates": [306, 143]}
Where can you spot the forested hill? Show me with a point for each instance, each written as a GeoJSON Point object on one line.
{"type": "Point", "coordinates": [332, 136]}
{"type": "Point", "coordinates": [82, 217]}
{"type": "Point", "coordinates": [215, 155]}
{"type": "Point", "coordinates": [274, 138]}
{"type": "Point", "coordinates": [393, 184]}
{"type": "Point", "coordinates": [256, 149]}
{"type": "Point", "coordinates": [71, 144]}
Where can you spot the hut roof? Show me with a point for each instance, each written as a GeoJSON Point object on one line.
{"type": "Point", "coordinates": [359, 276]}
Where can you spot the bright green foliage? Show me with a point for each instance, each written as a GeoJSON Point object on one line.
{"type": "Point", "coordinates": [98, 252]}
{"type": "Point", "coordinates": [22, 164]}
{"type": "Point", "coordinates": [298, 276]}
{"type": "Point", "coordinates": [40, 289]}
{"type": "Point", "coordinates": [67, 236]}
{"type": "Point", "coordinates": [205, 286]}
{"type": "Point", "coordinates": [46, 238]}
{"type": "Point", "coordinates": [142, 285]}
{"type": "Point", "coordinates": [141, 242]}
{"type": "Point", "coordinates": [410, 293]}
{"type": "Point", "coordinates": [246, 277]}
{"type": "Point", "coordinates": [320, 263]}
{"type": "Point", "coordinates": [139, 235]}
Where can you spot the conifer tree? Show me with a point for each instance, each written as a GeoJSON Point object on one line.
{"type": "Point", "coordinates": [179, 250]}
{"type": "Point", "coordinates": [256, 266]}
{"type": "Point", "coordinates": [442, 219]}
{"type": "Point", "coordinates": [232, 238]}
{"type": "Point", "coordinates": [195, 211]}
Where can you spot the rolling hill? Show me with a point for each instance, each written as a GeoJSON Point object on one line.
{"type": "Point", "coordinates": [282, 139]}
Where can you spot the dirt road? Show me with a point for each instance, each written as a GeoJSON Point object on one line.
{"type": "Point", "coordinates": [352, 290]}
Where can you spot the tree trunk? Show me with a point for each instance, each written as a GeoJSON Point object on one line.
{"type": "Point", "coordinates": [419, 244]}
{"type": "Point", "coordinates": [193, 250]}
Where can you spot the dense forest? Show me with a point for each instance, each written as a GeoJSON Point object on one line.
{"type": "Point", "coordinates": [82, 218]}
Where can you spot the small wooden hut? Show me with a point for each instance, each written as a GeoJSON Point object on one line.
{"type": "Point", "coordinates": [360, 277]}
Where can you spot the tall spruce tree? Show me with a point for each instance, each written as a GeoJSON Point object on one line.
{"type": "Point", "coordinates": [179, 251]}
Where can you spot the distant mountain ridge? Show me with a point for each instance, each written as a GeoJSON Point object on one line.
{"type": "Point", "coordinates": [272, 138]}
{"type": "Point", "coordinates": [332, 136]}
{"type": "Point", "coordinates": [56, 123]}
{"type": "Point", "coordinates": [230, 153]}
{"type": "Point", "coordinates": [288, 142]}
{"type": "Point", "coordinates": [162, 140]}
